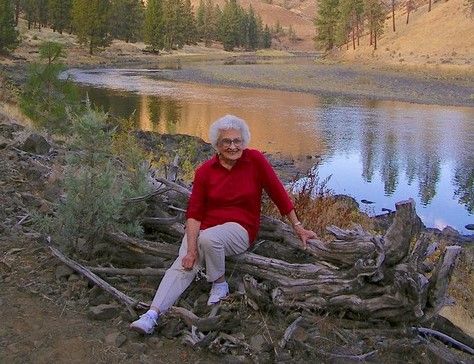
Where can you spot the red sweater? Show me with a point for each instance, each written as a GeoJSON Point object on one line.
{"type": "Point", "coordinates": [220, 195]}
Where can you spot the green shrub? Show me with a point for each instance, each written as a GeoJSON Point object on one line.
{"type": "Point", "coordinates": [46, 98]}
{"type": "Point", "coordinates": [97, 185]}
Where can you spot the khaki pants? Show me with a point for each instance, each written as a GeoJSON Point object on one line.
{"type": "Point", "coordinates": [214, 244]}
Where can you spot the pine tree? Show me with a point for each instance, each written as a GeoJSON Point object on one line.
{"type": "Point", "coordinates": [326, 23]}
{"type": "Point", "coordinates": [230, 26]}
{"type": "Point", "coordinates": [252, 30]}
{"type": "Point", "coordinates": [153, 30]}
{"type": "Point", "coordinates": [200, 11]}
{"type": "Point", "coordinates": [8, 33]}
{"type": "Point", "coordinates": [349, 13]}
{"type": "Point", "coordinates": [173, 24]}
{"type": "Point", "coordinates": [375, 15]}
{"type": "Point", "coordinates": [259, 31]}
{"type": "Point", "coordinates": [267, 37]}
{"type": "Point", "coordinates": [190, 29]}
{"type": "Point", "coordinates": [29, 7]}
{"type": "Point", "coordinates": [17, 11]}
{"type": "Point", "coordinates": [216, 22]}
{"type": "Point", "coordinates": [46, 98]}
{"type": "Point", "coordinates": [208, 19]}
{"type": "Point", "coordinates": [90, 20]}
{"type": "Point", "coordinates": [126, 19]}
{"type": "Point", "coordinates": [42, 13]}
{"type": "Point", "coordinates": [60, 14]}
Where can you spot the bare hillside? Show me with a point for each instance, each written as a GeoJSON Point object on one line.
{"type": "Point", "coordinates": [443, 38]}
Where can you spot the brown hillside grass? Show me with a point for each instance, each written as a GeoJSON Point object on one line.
{"type": "Point", "coordinates": [440, 39]}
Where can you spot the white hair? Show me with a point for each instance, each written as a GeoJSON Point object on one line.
{"type": "Point", "coordinates": [229, 122]}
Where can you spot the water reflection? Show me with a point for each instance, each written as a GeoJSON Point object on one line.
{"type": "Point", "coordinates": [464, 183]}
{"type": "Point", "coordinates": [376, 150]}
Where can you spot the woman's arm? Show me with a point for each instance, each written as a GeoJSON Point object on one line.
{"type": "Point", "coordinates": [302, 233]}
{"type": "Point", "coordinates": [192, 233]}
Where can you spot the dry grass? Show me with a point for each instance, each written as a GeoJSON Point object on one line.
{"type": "Point", "coordinates": [318, 208]}
{"type": "Point", "coordinates": [272, 53]}
{"type": "Point", "coordinates": [440, 40]}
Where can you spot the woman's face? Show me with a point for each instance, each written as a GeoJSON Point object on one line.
{"type": "Point", "coordinates": [229, 144]}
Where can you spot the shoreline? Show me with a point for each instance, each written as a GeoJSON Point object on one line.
{"type": "Point", "coordinates": [359, 82]}
{"type": "Point", "coordinates": [324, 78]}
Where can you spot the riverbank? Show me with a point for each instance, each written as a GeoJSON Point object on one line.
{"type": "Point", "coordinates": [277, 72]}
{"type": "Point", "coordinates": [268, 69]}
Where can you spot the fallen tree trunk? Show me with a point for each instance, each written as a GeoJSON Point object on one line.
{"type": "Point", "coordinates": [359, 274]}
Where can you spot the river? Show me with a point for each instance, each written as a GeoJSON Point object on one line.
{"type": "Point", "coordinates": [378, 151]}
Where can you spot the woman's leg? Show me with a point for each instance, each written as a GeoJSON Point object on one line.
{"type": "Point", "coordinates": [216, 243]}
{"type": "Point", "coordinates": [174, 282]}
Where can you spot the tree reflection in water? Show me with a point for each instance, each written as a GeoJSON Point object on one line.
{"type": "Point", "coordinates": [399, 149]}
{"type": "Point", "coordinates": [464, 183]}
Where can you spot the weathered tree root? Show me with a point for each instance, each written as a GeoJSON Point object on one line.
{"type": "Point", "coordinates": [366, 276]}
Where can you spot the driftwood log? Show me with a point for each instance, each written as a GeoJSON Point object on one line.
{"type": "Point", "coordinates": [358, 274]}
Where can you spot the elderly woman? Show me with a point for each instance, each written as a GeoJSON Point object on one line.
{"type": "Point", "coordinates": [223, 216]}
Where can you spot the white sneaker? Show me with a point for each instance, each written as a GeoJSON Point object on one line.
{"type": "Point", "coordinates": [145, 324]}
{"type": "Point", "coordinates": [218, 292]}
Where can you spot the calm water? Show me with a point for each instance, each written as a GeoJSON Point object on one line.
{"type": "Point", "coordinates": [375, 150]}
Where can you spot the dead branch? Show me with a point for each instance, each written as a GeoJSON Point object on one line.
{"type": "Point", "coordinates": [174, 186]}
{"type": "Point", "coordinates": [445, 338]}
{"type": "Point", "coordinates": [289, 332]}
{"type": "Point", "coordinates": [120, 296]}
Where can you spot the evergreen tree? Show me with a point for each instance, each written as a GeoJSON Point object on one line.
{"type": "Point", "coordinates": [126, 19]}
{"type": "Point", "coordinates": [375, 15]}
{"type": "Point", "coordinates": [230, 25]}
{"type": "Point", "coordinates": [252, 30]}
{"type": "Point", "coordinates": [200, 18]}
{"type": "Point", "coordinates": [17, 11]}
{"type": "Point", "coordinates": [41, 8]}
{"type": "Point", "coordinates": [29, 9]}
{"type": "Point", "coordinates": [153, 31]}
{"type": "Point", "coordinates": [46, 98]}
{"type": "Point", "coordinates": [8, 33]}
{"type": "Point", "coordinates": [90, 19]}
{"type": "Point", "coordinates": [326, 23]}
{"type": "Point", "coordinates": [259, 31]}
{"type": "Point", "coordinates": [60, 14]}
{"type": "Point", "coordinates": [344, 23]}
{"type": "Point", "coordinates": [216, 22]}
{"type": "Point", "coordinates": [190, 29]}
{"type": "Point", "coordinates": [267, 37]}
{"type": "Point", "coordinates": [207, 17]}
{"type": "Point", "coordinates": [173, 24]}
{"type": "Point", "coordinates": [36, 12]}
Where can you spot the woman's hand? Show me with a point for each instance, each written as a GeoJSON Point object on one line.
{"type": "Point", "coordinates": [304, 234]}
{"type": "Point", "coordinates": [189, 259]}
